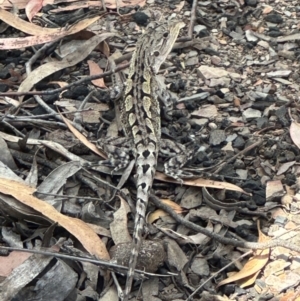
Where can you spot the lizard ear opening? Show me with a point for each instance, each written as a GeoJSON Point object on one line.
{"type": "Point", "coordinates": [156, 53]}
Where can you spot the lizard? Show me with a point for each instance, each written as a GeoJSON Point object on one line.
{"type": "Point", "coordinates": [140, 119]}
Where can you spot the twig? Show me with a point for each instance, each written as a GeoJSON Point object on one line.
{"type": "Point", "coordinates": [76, 83]}
{"type": "Point", "coordinates": [223, 240]}
{"type": "Point", "coordinates": [103, 263]}
{"type": "Point", "coordinates": [92, 77]}
{"type": "Point", "coordinates": [229, 264]}
{"type": "Point", "coordinates": [247, 149]}
{"type": "Point", "coordinates": [215, 274]}
{"type": "Point", "coordinates": [193, 18]}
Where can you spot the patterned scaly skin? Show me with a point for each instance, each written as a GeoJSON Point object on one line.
{"type": "Point", "coordinates": [140, 118]}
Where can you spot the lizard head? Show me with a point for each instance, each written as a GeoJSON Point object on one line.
{"type": "Point", "coordinates": [163, 37]}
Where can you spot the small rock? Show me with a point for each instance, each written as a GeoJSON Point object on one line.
{"type": "Point", "coordinates": [216, 60]}
{"type": "Point", "coordinates": [192, 198]}
{"type": "Point", "coordinates": [80, 90]}
{"type": "Point", "coordinates": [263, 44]}
{"type": "Point", "coordinates": [274, 18]}
{"type": "Point", "coordinates": [283, 81]}
{"type": "Point", "coordinates": [192, 61]}
{"type": "Point", "coordinates": [192, 53]}
{"type": "Point", "coordinates": [199, 28]}
{"type": "Point", "coordinates": [290, 46]}
{"type": "Point", "coordinates": [228, 148]}
{"type": "Point", "coordinates": [242, 173]}
{"type": "Point", "coordinates": [231, 137]}
{"type": "Point", "coordinates": [262, 122]}
{"type": "Point", "coordinates": [239, 164]}
{"type": "Point", "coordinates": [251, 114]}
{"type": "Point", "coordinates": [151, 256]}
{"type": "Point", "coordinates": [212, 126]}
{"type": "Point", "coordinates": [290, 55]}
{"type": "Point", "coordinates": [217, 137]}
{"type": "Point", "coordinates": [140, 18]}
{"type": "Point", "coordinates": [200, 267]}
{"type": "Point", "coordinates": [220, 82]}
{"type": "Point", "coordinates": [4, 73]}
{"type": "Point", "coordinates": [236, 36]}
{"type": "Point", "coordinates": [280, 220]}
{"type": "Point", "coordinates": [252, 3]}
{"type": "Point", "coordinates": [4, 88]}
{"type": "Point", "coordinates": [250, 36]}
{"type": "Point", "coordinates": [287, 13]}
{"type": "Point", "coordinates": [279, 73]}
{"type": "Point", "coordinates": [208, 72]}
{"type": "Point", "coordinates": [239, 143]}
{"type": "Point", "coordinates": [202, 121]}
{"type": "Point", "coordinates": [274, 33]}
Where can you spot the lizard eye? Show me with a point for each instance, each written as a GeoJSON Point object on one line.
{"type": "Point", "coordinates": [156, 53]}
{"type": "Point", "coordinates": [165, 34]}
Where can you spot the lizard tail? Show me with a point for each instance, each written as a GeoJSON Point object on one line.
{"type": "Point", "coordinates": [146, 165]}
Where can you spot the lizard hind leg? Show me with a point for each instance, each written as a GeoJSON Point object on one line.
{"type": "Point", "coordinates": [118, 151]}
{"type": "Point", "coordinates": [178, 155]}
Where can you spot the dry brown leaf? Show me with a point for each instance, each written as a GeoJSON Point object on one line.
{"type": "Point", "coordinates": [104, 48]}
{"type": "Point", "coordinates": [237, 102]}
{"type": "Point", "coordinates": [199, 182]}
{"type": "Point", "coordinates": [290, 296]}
{"type": "Point", "coordinates": [111, 4]}
{"type": "Point", "coordinates": [14, 259]}
{"type": "Point", "coordinates": [267, 10]}
{"type": "Point", "coordinates": [287, 199]}
{"type": "Point", "coordinates": [295, 133]}
{"type": "Point", "coordinates": [247, 275]}
{"type": "Point", "coordinates": [178, 209]}
{"type": "Point", "coordinates": [200, 238]}
{"type": "Point", "coordinates": [179, 6]}
{"type": "Point", "coordinates": [26, 27]}
{"type": "Point", "coordinates": [207, 111]}
{"type": "Point", "coordinates": [17, 43]}
{"type": "Point", "coordinates": [274, 189]}
{"type": "Point", "coordinates": [40, 35]}
{"type": "Point", "coordinates": [284, 167]}
{"type": "Point", "coordinates": [160, 213]}
{"type": "Point", "coordinates": [15, 139]}
{"type": "Point", "coordinates": [88, 238]}
{"type": "Point", "coordinates": [59, 83]}
{"type": "Point", "coordinates": [7, 100]}
{"type": "Point", "coordinates": [95, 69]}
{"type": "Point", "coordinates": [75, 6]}
{"type": "Point", "coordinates": [247, 281]}
{"type": "Point", "coordinates": [32, 8]}
{"type": "Point", "coordinates": [82, 138]}
{"type": "Point", "coordinates": [69, 60]}
{"type": "Point", "coordinates": [20, 4]}
{"type": "Point", "coordinates": [258, 82]}
{"type": "Point", "coordinates": [154, 216]}
{"type": "Point", "coordinates": [22, 275]}
{"type": "Point", "coordinates": [118, 227]}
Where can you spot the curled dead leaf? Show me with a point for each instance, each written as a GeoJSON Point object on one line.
{"type": "Point", "coordinates": [295, 133]}
{"type": "Point", "coordinates": [160, 213]}
{"type": "Point", "coordinates": [85, 235]}
{"type": "Point", "coordinates": [247, 275]}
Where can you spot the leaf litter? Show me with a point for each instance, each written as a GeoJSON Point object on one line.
{"type": "Point", "coordinates": [236, 79]}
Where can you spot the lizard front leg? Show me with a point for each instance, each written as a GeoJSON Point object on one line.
{"type": "Point", "coordinates": [166, 99]}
